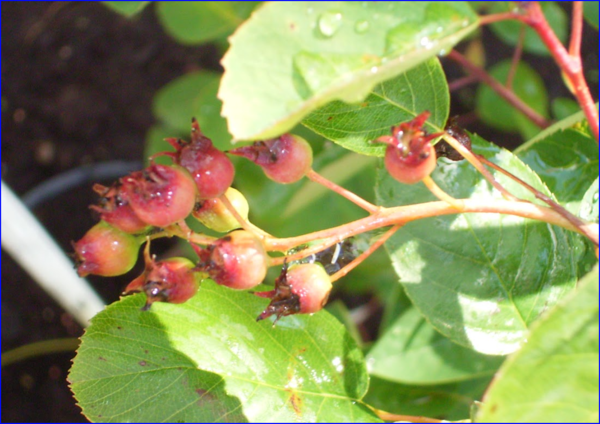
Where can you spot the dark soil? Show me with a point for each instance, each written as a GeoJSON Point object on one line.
{"type": "Point", "coordinates": [77, 88]}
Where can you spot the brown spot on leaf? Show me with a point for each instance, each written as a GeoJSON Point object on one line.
{"type": "Point", "coordinates": [142, 363]}
{"type": "Point", "coordinates": [101, 358]}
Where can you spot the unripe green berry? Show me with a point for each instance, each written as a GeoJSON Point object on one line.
{"type": "Point", "coordinates": [214, 214]}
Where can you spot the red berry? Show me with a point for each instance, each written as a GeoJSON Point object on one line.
{"type": "Point", "coordinates": [116, 211]}
{"type": "Point", "coordinates": [211, 169]}
{"type": "Point", "coordinates": [214, 214]}
{"type": "Point", "coordinates": [301, 289]}
{"type": "Point", "coordinates": [160, 195]}
{"type": "Point", "coordinates": [105, 250]}
{"type": "Point", "coordinates": [284, 160]}
{"type": "Point", "coordinates": [172, 280]}
{"type": "Point", "coordinates": [410, 157]}
{"type": "Point", "coordinates": [238, 260]}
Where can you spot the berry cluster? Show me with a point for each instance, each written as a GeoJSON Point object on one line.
{"type": "Point", "coordinates": [156, 201]}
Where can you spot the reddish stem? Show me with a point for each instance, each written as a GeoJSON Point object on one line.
{"type": "Point", "coordinates": [570, 64]}
{"type": "Point", "coordinates": [357, 200]}
{"type": "Point", "coordinates": [501, 90]}
{"type": "Point", "coordinates": [364, 255]}
{"type": "Point", "coordinates": [403, 214]}
{"type": "Point", "coordinates": [496, 17]}
{"type": "Point", "coordinates": [576, 29]}
{"type": "Point", "coordinates": [516, 58]}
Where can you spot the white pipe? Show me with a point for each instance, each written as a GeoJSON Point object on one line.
{"type": "Point", "coordinates": [27, 241]}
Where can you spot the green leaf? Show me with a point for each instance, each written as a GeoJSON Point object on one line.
{"type": "Point", "coordinates": [590, 13]}
{"type": "Point", "coordinates": [566, 160]}
{"type": "Point", "coordinates": [509, 30]}
{"type": "Point", "coordinates": [291, 58]}
{"type": "Point", "coordinates": [554, 378]}
{"type": "Point", "coordinates": [563, 107]}
{"type": "Point", "coordinates": [498, 113]}
{"type": "Point", "coordinates": [443, 401]}
{"type": "Point", "coordinates": [155, 143]}
{"type": "Point", "coordinates": [193, 95]}
{"type": "Point", "coordinates": [195, 22]}
{"type": "Point", "coordinates": [400, 99]}
{"type": "Point", "coordinates": [412, 352]}
{"type": "Point", "coordinates": [589, 204]}
{"type": "Point", "coordinates": [209, 360]}
{"type": "Point", "coordinates": [479, 279]}
{"type": "Point", "coordinates": [126, 8]}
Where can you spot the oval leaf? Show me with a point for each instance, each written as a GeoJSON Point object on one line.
{"type": "Point", "coordinates": [554, 378]}
{"type": "Point", "coordinates": [399, 99]}
{"type": "Point", "coordinates": [195, 22]}
{"type": "Point", "coordinates": [413, 352]}
{"type": "Point", "coordinates": [126, 8]}
{"type": "Point", "coordinates": [480, 279]}
{"type": "Point", "coordinates": [193, 95]}
{"type": "Point", "coordinates": [290, 58]}
{"type": "Point", "coordinates": [208, 360]}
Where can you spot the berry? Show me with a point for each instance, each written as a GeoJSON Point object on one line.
{"type": "Point", "coordinates": [215, 215]}
{"type": "Point", "coordinates": [301, 289]}
{"type": "Point", "coordinates": [105, 250]}
{"type": "Point", "coordinates": [285, 159]}
{"type": "Point", "coordinates": [238, 260]}
{"type": "Point", "coordinates": [409, 156]}
{"type": "Point", "coordinates": [116, 211]}
{"type": "Point", "coordinates": [443, 149]}
{"type": "Point", "coordinates": [160, 195]}
{"type": "Point", "coordinates": [211, 169]}
{"type": "Point", "coordinates": [172, 280]}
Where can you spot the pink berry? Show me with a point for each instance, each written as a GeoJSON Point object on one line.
{"type": "Point", "coordinates": [160, 195]}
{"type": "Point", "coordinates": [211, 169]}
{"type": "Point", "coordinates": [284, 160]}
{"type": "Point", "coordinates": [301, 289]}
{"type": "Point", "coordinates": [105, 250]}
{"type": "Point", "coordinates": [409, 156]}
{"type": "Point", "coordinates": [172, 280]}
{"type": "Point", "coordinates": [116, 211]}
{"type": "Point", "coordinates": [238, 260]}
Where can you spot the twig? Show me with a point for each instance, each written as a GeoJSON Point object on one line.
{"type": "Point", "coordinates": [357, 200]}
{"type": "Point", "coordinates": [516, 58]}
{"type": "Point", "coordinates": [539, 195]}
{"type": "Point", "coordinates": [570, 64]}
{"type": "Point", "coordinates": [364, 255]}
{"type": "Point", "coordinates": [501, 90]}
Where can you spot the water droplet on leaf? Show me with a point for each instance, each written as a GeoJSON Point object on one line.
{"type": "Point", "coordinates": [361, 27]}
{"type": "Point", "coordinates": [329, 23]}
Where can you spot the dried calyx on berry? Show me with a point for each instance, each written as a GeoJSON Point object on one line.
{"type": "Point", "coordinates": [237, 260]}
{"type": "Point", "coordinates": [299, 289]}
{"type": "Point", "coordinates": [409, 156]}
{"type": "Point", "coordinates": [105, 250]}
{"type": "Point", "coordinates": [160, 195]}
{"type": "Point", "coordinates": [115, 210]}
{"type": "Point", "coordinates": [214, 214]}
{"type": "Point", "coordinates": [443, 149]}
{"type": "Point", "coordinates": [171, 280]}
{"type": "Point", "coordinates": [211, 169]}
{"type": "Point", "coordinates": [285, 159]}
